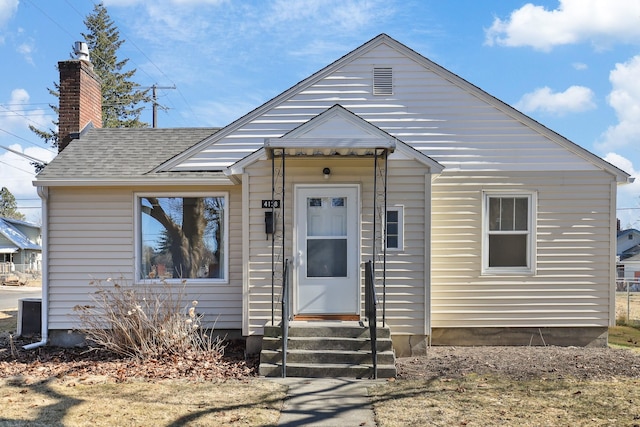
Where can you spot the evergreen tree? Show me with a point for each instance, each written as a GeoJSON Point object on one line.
{"type": "Point", "coordinates": [121, 97]}
{"type": "Point", "coordinates": [8, 205]}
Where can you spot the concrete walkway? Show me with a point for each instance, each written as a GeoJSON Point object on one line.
{"type": "Point", "coordinates": [339, 402]}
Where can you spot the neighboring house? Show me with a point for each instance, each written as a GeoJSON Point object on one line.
{"type": "Point", "coordinates": [628, 258]}
{"type": "Point", "coordinates": [497, 228]}
{"type": "Point", "coordinates": [20, 250]}
{"type": "Point", "coordinates": [628, 243]}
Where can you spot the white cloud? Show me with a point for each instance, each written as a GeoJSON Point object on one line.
{"type": "Point", "coordinates": [579, 66]}
{"type": "Point", "coordinates": [16, 173]}
{"type": "Point", "coordinates": [628, 194]}
{"type": "Point", "coordinates": [625, 100]}
{"type": "Point", "coordinates": [17, 114]}
{"type": "Point", "coordinates": [573, 100]}
{"type": "Point", "coordinates": [218, 113]}
{"type": "Point", "coordinates": [600, 22]}
{"type": "Point", "coordinates": [26, 49]}
{"type": "Point", "coordinates": [124, 3]}
{"type": "Point", "coordinates": [348, 15]}
{"type": "Point", "coordinates": [7, 10]}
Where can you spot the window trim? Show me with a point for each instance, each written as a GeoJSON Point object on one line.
{"type": "Point", "coordinates": [532, 214]}
{"type": "Point", "coordinates": [138, 235]}
{"type": "Point", "coordinates": [400, 210]}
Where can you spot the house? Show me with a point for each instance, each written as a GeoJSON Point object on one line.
{"type": "Point", "coordinates": [628, 259]}
{"type": "Point", "coordinates": [483, 226]}
{"type": "Point", "coordinates": [20, 250]}
{"type": "Point", "coordinates": [628, 243]}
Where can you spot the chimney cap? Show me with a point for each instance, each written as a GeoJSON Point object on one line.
{"type": "Point", "coordinates": [81, 50]}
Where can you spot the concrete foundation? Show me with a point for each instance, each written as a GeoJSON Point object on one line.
{"type": "Point", "coordinates": [66, 338]}
{"type": "Point", "coordinates": [410, 345]}
{"type": "Point", "coordinates": [253, 344]}
{"type": "Point", "coordinates": [578, 337]}
{"type": "Point", "coordinates": [417, 345]}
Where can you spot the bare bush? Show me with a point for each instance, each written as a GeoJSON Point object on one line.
{"type": "Point", "coordinates": [145, 321]}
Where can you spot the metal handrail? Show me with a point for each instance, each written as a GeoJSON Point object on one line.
{"type": "Point", "coordinates": [285, 316]}
{"type": "Point", "coordinates": [370, 312]}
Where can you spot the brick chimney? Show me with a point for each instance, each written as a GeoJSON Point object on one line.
{"type": "Point", "coordinates": [80, 97]}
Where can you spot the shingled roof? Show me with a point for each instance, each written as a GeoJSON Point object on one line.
{"type": "Point", "coordinates": [16, 238]}
{"type": "Point", "coordinates": [124, 153]}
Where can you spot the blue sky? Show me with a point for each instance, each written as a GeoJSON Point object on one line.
{"type": "Point", "coordinates": [573, 65]}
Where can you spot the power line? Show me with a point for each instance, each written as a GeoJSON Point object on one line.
{"type": "Point", "coordinates": [26, 156]}
{"type": "Point", "coordinates": [146, 57]}
{"type": "Point", "coordinates": [155, 101]}
{"type": "Point", "coordinates": [27, 141]}
{"type": "Point", "coordinates": [93, 55]}
{"type": "Point", "coordinates": [16, 167]}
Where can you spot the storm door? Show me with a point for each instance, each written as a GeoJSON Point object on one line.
{"type": "Point", "coordinates": [328, 250]}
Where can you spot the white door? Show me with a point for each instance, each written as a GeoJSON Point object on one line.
{"type": "Point", "coordinates": [328, 262]}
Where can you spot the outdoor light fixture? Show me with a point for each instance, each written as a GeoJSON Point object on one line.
{"type": "Point", "coordinates": [326, 172]}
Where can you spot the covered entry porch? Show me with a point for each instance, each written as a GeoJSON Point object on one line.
{"type": "Point", "coordinates": [323, 286]}
{"type": "Point", "coordinates": [315, 212]}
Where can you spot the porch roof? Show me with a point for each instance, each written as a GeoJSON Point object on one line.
{"type": "Point", "coordinates": [328, 147]}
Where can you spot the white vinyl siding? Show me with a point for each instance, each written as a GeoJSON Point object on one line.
{"type": "Point", "coordinates": [444, 121]}
{"type": "Point", "coordinates": [91, 238]}
{"type": "Point", "coordinates": [406, 278]}
{"type": "Point", "coordinates": [572, 253]}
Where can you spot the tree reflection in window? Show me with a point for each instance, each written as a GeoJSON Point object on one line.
{"type": "Point", "coordinates": [182, 237]}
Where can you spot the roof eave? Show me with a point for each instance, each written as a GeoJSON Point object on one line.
{"type": "Point", "coordinates": [97, 182]}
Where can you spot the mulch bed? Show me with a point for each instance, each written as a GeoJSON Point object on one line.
{"type": "Point", "coordinates": [518, 363]}
{"type": "Point", "coordinates": [56, 362]}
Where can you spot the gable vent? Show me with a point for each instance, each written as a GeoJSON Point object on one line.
{"type": "Point", "coordinates": [383, 81]}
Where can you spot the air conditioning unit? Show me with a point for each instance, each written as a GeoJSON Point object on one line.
{"type": "Point", "coordinates": [29, 316]}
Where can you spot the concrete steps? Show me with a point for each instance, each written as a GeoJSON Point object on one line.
{"type": "Point", "coordinates": [327, 349]}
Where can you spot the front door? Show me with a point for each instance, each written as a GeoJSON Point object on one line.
{"type": "Point", "coordinates": [328, 261]}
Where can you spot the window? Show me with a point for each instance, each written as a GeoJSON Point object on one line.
{"type": "Point", "coordinates": [182, 237]}
{"type": "Point", "coordinates": [395, 228]}
{"type": "Point", "coordinates": [508, 233]}
{"type": "Point", "coordinates": [383, 81]}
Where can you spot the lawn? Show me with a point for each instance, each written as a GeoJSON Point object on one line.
{"type": "Point", "coordinates": [98, 402]}
{"type": "Point", "coordinates": [470, 400]}
{"type": "Point", "coordinates": [497, 401]}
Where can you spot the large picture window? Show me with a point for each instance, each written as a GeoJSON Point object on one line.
{"type": "Point", "coordinates": [182, 237]}
{"type": "Point", "coordinates": [508, 234]}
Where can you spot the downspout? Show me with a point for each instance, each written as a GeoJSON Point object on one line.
{"type": "Point", "coordinates": [43, 192]}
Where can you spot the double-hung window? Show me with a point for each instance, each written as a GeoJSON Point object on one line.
{"type": "Point", "coordinates": [395, 228]}
{"type": "Point", "coordinates": [182, 236]}
{"type": "Point", "coordinates": [508, 233]}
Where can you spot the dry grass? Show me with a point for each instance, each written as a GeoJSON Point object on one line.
{"type": "Point", "coordinates": [490, 400]}
{"type": "Point", "coordinates": [632, 315]}
{"type": "Point", "coordinates": [94, 402]}
{"type": "Point", "coordinates": [625, 337]}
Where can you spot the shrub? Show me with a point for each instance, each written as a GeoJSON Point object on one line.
{"type": "Point", "coordinates": [145, 321]}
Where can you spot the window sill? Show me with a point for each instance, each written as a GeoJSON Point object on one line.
{"type": "Point", "coordinates": [187, 282]}
{"type": "Point", "coordinates": [508, 272]}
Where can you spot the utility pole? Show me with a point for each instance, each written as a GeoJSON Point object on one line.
{"type": "Point", "coordinates": [155, 102]}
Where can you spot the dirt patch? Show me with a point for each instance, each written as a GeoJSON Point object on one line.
{"type": "Point", "coordinates": [522, 363]}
